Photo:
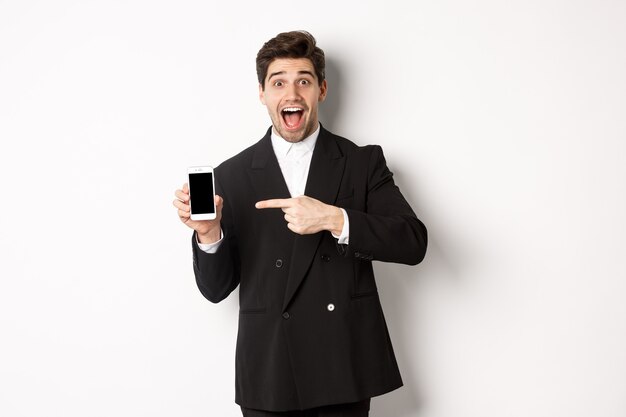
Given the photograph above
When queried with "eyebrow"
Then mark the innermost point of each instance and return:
(283, 72)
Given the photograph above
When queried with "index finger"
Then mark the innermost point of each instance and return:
(182, 195)
(274, 203)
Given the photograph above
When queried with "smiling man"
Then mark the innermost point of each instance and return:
(301, 215)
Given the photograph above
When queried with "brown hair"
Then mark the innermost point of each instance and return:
(297, 44)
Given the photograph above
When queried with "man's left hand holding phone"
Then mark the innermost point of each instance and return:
(198, 206)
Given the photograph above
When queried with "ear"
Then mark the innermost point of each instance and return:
(261, 94)
(323, 91)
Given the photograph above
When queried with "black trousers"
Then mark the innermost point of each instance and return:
(358, 409)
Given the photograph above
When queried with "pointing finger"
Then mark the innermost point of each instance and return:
(275, 203)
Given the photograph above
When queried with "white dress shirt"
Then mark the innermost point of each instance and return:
(294, 160)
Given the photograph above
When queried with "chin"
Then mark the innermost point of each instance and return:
(291, 136)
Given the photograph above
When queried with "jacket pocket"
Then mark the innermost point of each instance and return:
(364, 295)
(258, 310)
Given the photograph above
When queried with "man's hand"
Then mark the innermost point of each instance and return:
(209, 231)
(306, 215)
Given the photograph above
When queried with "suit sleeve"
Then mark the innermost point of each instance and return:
(217, 274)
(388, 230)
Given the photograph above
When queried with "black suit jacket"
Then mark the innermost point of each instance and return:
(311, 327)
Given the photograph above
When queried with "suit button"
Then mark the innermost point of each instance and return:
(325, 258)
(285, 315)
(279, 263)
(330, 307)
(357, 254)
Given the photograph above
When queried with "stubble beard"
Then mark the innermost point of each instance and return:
(292, 137)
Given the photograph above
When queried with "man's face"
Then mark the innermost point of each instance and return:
(292, 93)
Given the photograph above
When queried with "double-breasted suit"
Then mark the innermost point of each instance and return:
(311, 327)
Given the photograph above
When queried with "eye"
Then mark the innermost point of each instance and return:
(278, 84)
(304, 82)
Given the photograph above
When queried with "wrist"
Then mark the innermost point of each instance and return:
(211, 236)
(335, 224)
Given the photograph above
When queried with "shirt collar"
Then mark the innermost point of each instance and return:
(282, 147)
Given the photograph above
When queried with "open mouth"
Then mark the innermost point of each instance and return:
(292, 117)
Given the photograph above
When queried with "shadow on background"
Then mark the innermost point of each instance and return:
(397, 286)
(331, 108)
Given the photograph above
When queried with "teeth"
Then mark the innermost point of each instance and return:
(292, 109)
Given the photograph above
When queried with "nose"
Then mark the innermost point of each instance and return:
(292, 92)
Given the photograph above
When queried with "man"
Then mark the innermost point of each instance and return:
(301, 215)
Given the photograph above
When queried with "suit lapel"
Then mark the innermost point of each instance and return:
(325, 173)
(267, 183)
(264, 172)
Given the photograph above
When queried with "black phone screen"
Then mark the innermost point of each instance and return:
(201, 193)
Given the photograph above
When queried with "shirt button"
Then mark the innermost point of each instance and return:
(279, 263)
(285, 315)
(330, 307)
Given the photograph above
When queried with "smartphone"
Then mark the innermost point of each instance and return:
(201, 193)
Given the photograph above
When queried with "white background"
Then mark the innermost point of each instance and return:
(504, 123)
